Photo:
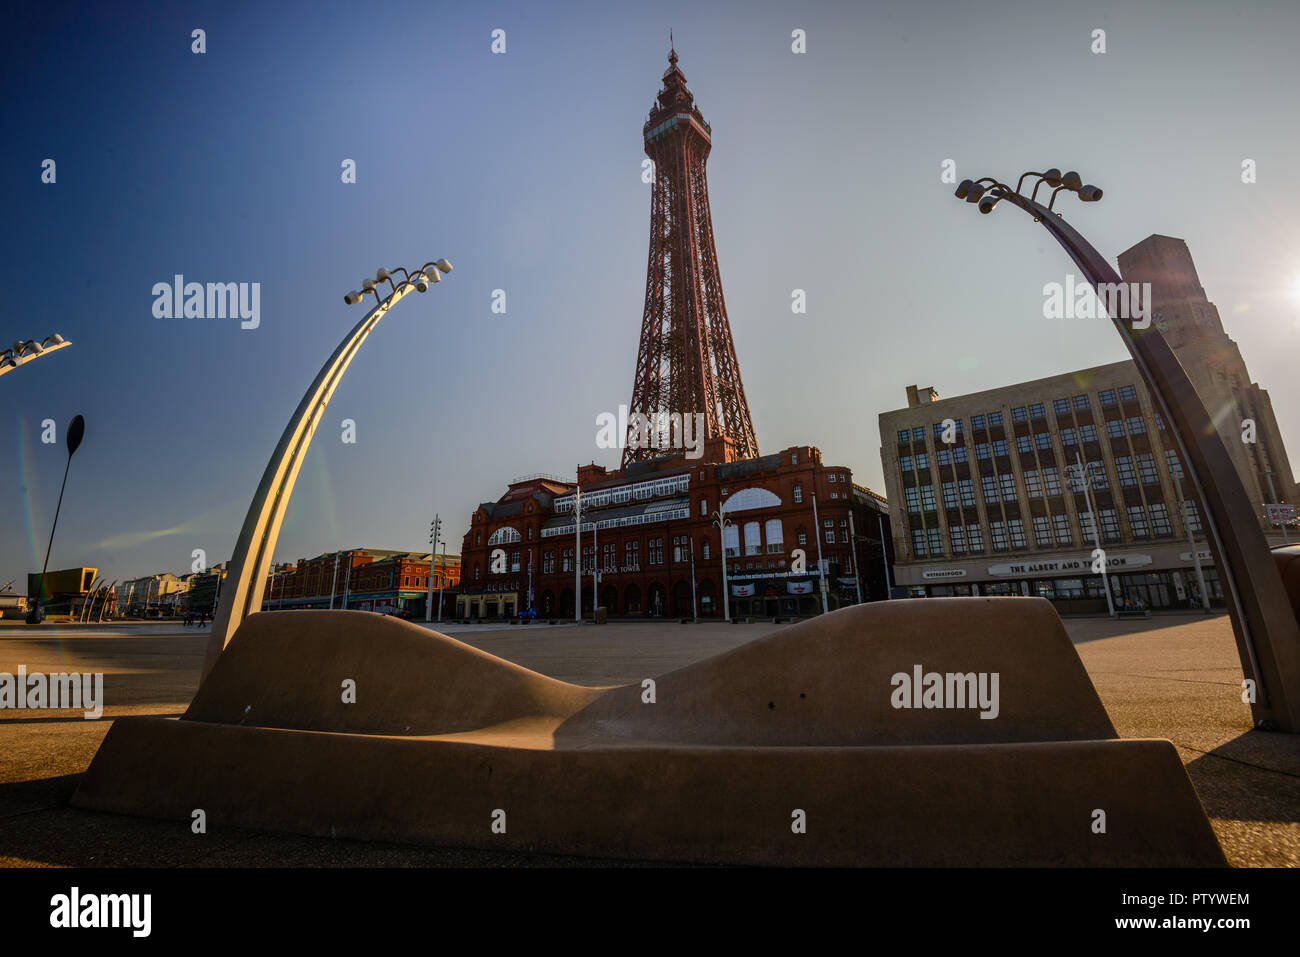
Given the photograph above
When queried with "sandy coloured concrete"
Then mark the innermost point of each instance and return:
(1173, 676)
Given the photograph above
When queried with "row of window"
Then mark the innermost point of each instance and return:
(1145, 522)
(1062, 406)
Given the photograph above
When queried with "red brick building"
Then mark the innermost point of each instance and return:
(369, 579)
(643, 525)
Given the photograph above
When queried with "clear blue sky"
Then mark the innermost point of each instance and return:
(524, 170)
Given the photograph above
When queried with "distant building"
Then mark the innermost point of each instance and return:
(997, 511)
(367, 579)
(64, 590)
(149, 596)
(646, 527)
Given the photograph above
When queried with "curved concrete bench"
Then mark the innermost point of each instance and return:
(874, 735)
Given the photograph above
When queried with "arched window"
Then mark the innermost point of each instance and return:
(750, 498)
(753, 540)
(503, 535)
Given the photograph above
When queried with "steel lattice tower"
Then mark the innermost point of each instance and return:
(686, 362)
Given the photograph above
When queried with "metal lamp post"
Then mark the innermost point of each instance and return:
(76, 432)
(1084, 484)
(261, 529)
(1264, 624)
(722, 523)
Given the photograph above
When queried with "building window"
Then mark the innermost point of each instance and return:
(1097, 472)
(1069, 437)
(918, 434)
(798, 493)
(566, 560)
(1115, 428)
(1081, 402)
(974, 538)
(942, 457)
(922, 462)
(1136, 426)
(1017, 530)
(1088, 433)
(656, 551)
(1109, 525)
(1042, 531)
(1043, 441)
(904, 436)
(731, 541)
(1160, 519)
(1018, 414)
(1128, 392)
(514, 561)
(1061, 406)
(918, 542)
(1191, 516)
(936, 542)
(1127, 475)
(1106, 397)
(632, 551)
(753, 540)
(913, 499)
(990, 487)
(927, 498)
(982, 450)
(1061, 523)
(904, 463)
(775, 536)
(704, 507)
(995, 418)
(1147, 469)
(830, 477)
(967, 489)
(999, 446)
(1024, 444)
(1051, 480)
(830, 529)
(802, 537)
(704, 550)
(998, 535)
(959, 454)
(1175, 466)
(1033, 484)
(977, 421)
(794, 458)
(1008, 482)
(1137, 520)
(548, 563)
(957, 535)
(1036, 411)
(949, 494)
(476, 571)
(1160, 421)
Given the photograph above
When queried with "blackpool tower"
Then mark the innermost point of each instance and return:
(686, 364)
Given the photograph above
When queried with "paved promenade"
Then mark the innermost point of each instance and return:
(1174, 677)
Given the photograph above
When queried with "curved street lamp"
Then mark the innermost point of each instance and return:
(1268, 637)
(29, 349)
(76, 432)
(246, 579)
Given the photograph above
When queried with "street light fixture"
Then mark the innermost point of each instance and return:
(249, 564)
(1263, 620)
(25, 350)
(76, 432)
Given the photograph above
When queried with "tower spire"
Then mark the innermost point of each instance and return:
(686, 364)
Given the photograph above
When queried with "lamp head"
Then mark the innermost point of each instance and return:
(963, 188)
(1071, 180)
(381, 274)
(443, 265)
(352, 298)
(1052, 177)
(367, 285)
(1089, 194)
